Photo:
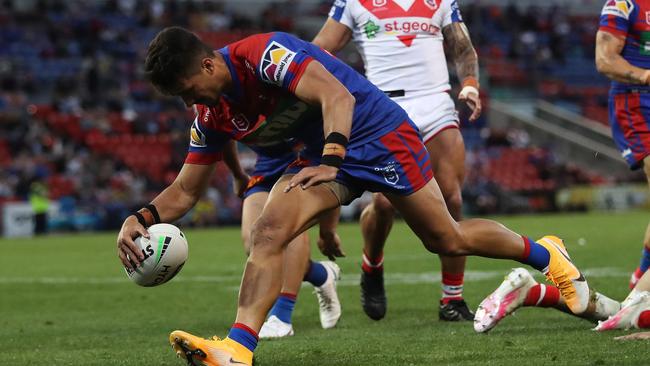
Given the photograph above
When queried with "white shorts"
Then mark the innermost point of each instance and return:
(432, 113)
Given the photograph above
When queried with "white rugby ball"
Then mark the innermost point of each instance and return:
(165, 253)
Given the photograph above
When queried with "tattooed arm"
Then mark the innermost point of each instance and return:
(610, 63)
(458, 45)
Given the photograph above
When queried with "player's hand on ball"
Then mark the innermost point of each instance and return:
(330, 245)
(239, 184)
(473, 101)
(312, 176)
(127, 250)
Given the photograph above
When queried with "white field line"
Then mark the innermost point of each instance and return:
(349, 279)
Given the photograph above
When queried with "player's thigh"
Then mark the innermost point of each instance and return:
(251, 210)
(447, 154)
(288, 214)
(426, 214)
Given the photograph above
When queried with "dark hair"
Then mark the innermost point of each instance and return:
(173, 55)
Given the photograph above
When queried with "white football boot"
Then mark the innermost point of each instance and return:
(628, 316)
(273, 327)
(507, 298)
(328, 299)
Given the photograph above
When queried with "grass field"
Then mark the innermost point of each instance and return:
(64, 300)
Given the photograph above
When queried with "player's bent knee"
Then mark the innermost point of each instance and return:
(382, 205)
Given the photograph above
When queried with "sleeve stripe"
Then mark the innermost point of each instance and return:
(203, 158)
(613, 30)
(298, 71)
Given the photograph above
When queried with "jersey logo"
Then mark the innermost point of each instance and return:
(379, 3)
(370, 29)
(240, 122)
(197, 137)
(389, 173)
(647, 17)
(275, 63)
(619, 8)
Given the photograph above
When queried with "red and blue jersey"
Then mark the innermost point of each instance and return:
(262, 111)
(629, 19)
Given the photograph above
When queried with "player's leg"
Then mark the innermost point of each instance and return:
(447, 154)
(284, 217)
(376, 222)
(519, 289)
(426, 214)
(645, 253)
(635, 309)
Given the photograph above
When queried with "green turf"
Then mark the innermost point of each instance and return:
(64, 300)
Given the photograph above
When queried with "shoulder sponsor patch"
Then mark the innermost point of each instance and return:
(197, 137)
(275, 63)
(619, 8)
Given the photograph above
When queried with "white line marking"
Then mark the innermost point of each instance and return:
(350, 279)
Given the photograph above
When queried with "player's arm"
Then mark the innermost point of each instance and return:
(458, 46)
(171, 204)
(317, 86)
(333, 36)
(610, 63)
(231, 158)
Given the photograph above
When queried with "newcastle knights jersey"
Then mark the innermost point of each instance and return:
(261, 111)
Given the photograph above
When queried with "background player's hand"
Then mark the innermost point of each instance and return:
(127, 251)
(640, 335)
(239, 184)
(312, 176)
(473, 101)
(329, 244)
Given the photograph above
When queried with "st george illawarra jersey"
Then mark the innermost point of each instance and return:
(400, 41)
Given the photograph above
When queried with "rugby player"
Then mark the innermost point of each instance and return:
(623, 55)
(364, 141)
(402, 48)
(269, 166)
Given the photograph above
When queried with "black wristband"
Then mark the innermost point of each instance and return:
(140, 218)
(337, 138)
(331, 160)
(154, 212)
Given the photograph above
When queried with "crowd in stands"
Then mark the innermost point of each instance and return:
(77, 115)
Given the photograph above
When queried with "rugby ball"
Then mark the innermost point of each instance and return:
(165, 253)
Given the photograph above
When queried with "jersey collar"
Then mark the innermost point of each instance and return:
(236, 83)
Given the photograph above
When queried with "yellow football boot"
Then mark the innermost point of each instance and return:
(199, 351)
(565, 275)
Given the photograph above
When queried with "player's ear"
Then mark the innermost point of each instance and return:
(207, 64)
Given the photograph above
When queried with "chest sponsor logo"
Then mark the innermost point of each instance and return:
(197, 137)
(240, 122)
(619, 8)
(390, 174)
(275, 63)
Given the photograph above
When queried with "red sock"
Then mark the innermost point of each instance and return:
(644, 319)
(370, 265)
(452, 287)
(542, 295)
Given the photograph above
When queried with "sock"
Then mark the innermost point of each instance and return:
(452, 287)
(644, 319)
(645, 260)
(283, 307)
(541, 295)
(316, 274)
(535, 255)
(370, 265)
(243, 335)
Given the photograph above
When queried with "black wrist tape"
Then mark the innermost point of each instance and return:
(154, 212)
(140, 218)
(337, 138)
(331, 160)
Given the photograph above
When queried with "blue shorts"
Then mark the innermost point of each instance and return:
(396, 163)
(267, 171)
(629, 118)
